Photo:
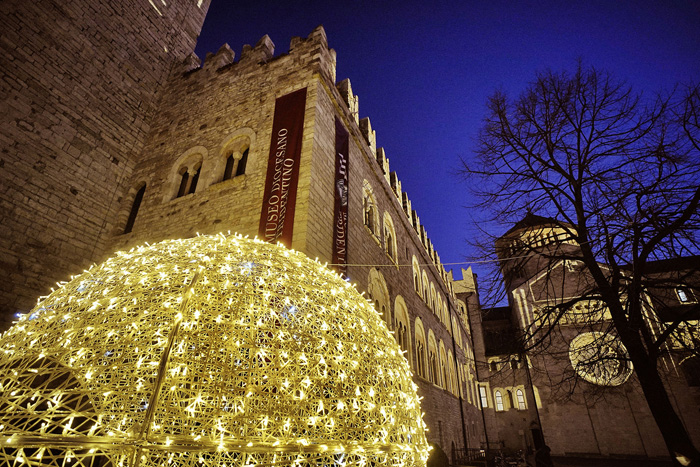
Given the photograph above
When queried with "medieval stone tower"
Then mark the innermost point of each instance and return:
(80, 82)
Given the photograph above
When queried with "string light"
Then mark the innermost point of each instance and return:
(211, 351)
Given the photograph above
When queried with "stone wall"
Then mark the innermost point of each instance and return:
(206, 113)
(78, 84)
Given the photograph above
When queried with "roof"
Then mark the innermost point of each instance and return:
(684, 263)
(532, 220)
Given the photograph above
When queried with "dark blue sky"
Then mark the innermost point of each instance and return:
(423, 70)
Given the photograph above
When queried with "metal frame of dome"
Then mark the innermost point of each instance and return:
(210, 351)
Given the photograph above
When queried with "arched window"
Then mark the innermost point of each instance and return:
(499, 400)
(186, 173)
(401, 335)
(455, 332)
(420, 359)
(420, 348)
(228, 170)
(432, 362)
(184, 180)
(240, 169)
(379, 293)
(452, 383)
(433, 374)
(443, 366)
(195, 179)
(237, 161)
(235, 150)
(403, 329)
(416, 275)
(426, 293)
(135, 205)
(369, 208)
(520, 396)
(389, 237)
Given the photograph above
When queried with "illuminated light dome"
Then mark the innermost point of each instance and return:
(211, 351)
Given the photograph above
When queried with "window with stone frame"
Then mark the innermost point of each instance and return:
(685, 295)
(520, 396)
(235, 151)
(432, 366)
(426, 288)
(390, 237)
(416, 275)
(236, 164)
(189, 177)
(186, 172)
(499, 400)
(369, 208)
(135, 206)
(420, 348)
(420, 359)
(483, 397)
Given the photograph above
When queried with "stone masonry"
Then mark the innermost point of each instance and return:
(207, 113)
(79, 82)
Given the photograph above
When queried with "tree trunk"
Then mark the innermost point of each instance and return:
(674, 433)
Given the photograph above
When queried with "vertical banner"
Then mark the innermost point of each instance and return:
(277, 217)
(340, 216)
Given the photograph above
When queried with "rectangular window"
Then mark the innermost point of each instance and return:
(684, 294)
(484, 398)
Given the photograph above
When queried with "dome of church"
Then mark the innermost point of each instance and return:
(210, 351)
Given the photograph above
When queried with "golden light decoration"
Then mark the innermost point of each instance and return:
(210, 351)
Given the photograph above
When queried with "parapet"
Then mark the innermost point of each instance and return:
(263, 51)
(313, 49)
(224, 56)
(351, 100)
(369, 134)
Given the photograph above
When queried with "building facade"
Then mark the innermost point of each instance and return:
(581, 397)
(147, 145)
(116, 134)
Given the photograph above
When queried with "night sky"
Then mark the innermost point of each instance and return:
(424, 70)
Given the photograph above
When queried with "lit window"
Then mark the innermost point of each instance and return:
(484, 399)
(521, 399)
(499, 401)
(683, 294)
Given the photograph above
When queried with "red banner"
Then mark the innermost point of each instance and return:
(277, 218)
(340, 216)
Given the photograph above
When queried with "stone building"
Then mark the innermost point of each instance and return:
(577, 399)
(114, 135)
(117, 136)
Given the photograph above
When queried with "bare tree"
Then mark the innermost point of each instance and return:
(618, 177)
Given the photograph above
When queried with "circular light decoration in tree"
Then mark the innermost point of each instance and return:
(600, 358)
(211, 351)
